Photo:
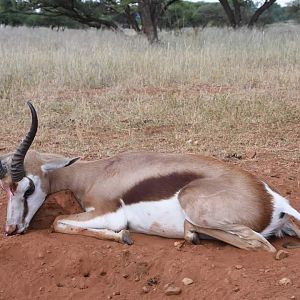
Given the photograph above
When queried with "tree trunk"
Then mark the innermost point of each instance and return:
(259, 11)
(147, 9)
(237, 12)
(131, 19)
(229, 12)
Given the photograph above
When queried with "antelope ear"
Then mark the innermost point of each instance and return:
(57, 164)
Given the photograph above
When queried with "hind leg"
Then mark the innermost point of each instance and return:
(237, 235)
(192, 236)
(226, 211)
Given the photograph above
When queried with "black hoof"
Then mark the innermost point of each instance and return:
(126, 239)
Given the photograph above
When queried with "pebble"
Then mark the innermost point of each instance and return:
(86, 273)
(285, 281)
(125, 275)
(239, 267)
(251, 154)
(172, 290)
(178, 244)
(116, 293)
(281, 254)
(187, 281)
(145, 289)
(59, 284)
(236, 289)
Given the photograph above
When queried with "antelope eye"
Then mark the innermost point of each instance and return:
(30, 189)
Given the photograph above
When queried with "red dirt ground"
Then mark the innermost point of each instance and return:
(44, 265)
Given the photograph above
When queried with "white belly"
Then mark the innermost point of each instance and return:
(163, 218)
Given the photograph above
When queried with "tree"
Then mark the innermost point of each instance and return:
(233, 11)
(293, 10)
(150, 12)
(96, 13)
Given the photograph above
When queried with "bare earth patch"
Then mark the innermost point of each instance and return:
(45, 265)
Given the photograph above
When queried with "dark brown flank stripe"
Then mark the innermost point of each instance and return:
(158, 188)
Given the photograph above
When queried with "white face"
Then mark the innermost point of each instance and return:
(24, 199)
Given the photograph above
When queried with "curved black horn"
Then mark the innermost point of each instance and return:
(17, 162)
(3, 170)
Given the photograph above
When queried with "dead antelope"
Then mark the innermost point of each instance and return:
(170, 195)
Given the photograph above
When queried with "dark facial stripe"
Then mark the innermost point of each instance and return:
(25, 211)
(29, 192)
(157, 188)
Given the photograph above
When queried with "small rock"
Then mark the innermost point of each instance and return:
(285, 281)
(102, 273)
(109, 297)
(167, 285)
(236, 289)
(86, 273)
(145, 289)
(293, 297)
(172, 290)
(251, 154)
(116, 293)
(238, 267)
(125, 275)
(187, 281)
(40, 255)
(281, 254)
(136, 278)
(178, 244)
(59, 284)
(41, 289)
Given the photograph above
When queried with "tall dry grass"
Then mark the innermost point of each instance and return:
(100, 92)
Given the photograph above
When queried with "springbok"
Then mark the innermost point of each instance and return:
(170, 195)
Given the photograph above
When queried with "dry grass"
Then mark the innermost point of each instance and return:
(98, 93)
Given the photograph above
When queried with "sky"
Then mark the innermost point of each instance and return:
(280, 2)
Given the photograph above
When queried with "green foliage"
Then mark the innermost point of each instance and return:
(275, 13)
(81, 14)
(190, 14)
(194, 14)
(293, 10)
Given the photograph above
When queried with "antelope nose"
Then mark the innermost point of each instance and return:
(10, 229)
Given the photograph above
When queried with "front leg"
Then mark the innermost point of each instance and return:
(111, 226)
